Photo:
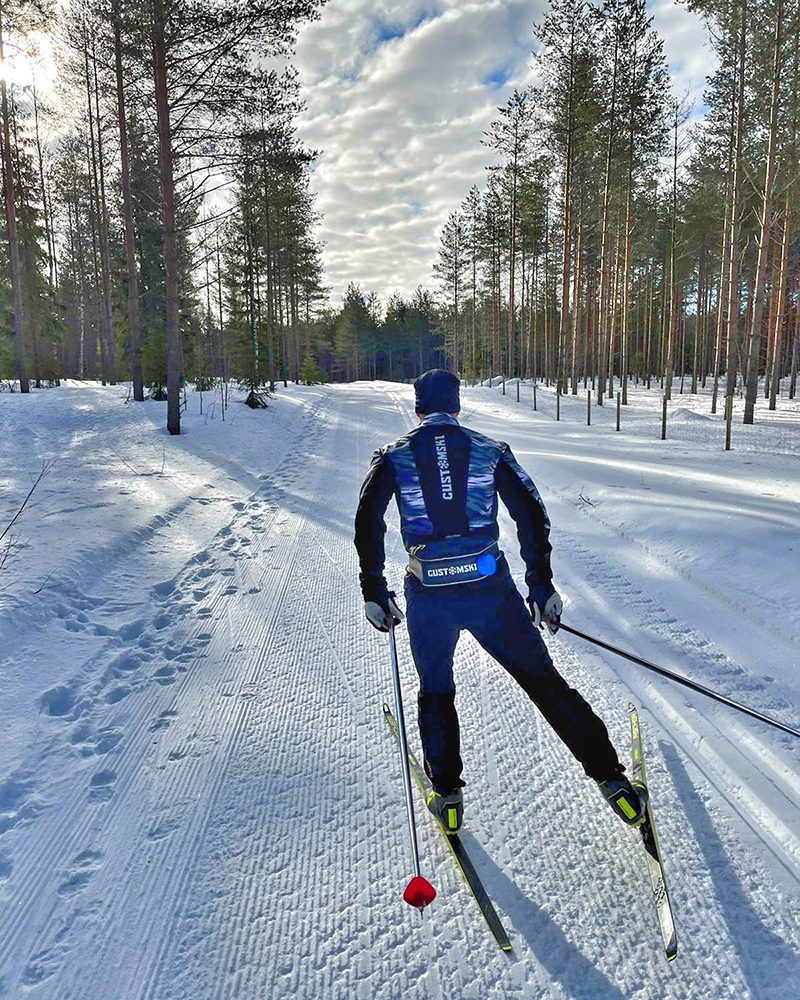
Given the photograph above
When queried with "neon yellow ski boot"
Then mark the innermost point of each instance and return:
(628, 801)
(448, 808)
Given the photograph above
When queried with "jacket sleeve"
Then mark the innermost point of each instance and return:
(517, 491)
(376, 492)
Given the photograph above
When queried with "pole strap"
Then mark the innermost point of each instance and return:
(700, 688)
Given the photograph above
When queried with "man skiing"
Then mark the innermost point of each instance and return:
(446, 480)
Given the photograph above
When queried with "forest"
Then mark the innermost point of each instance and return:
(623, 235)
(160, 224)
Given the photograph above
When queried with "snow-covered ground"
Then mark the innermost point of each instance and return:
(198, 795)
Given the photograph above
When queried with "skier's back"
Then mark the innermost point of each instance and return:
(447, 479)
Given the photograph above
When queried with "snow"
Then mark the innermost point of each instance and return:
(198, 794)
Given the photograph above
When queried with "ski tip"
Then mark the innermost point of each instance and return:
(506, 948)
(631, 707)
(386, 709)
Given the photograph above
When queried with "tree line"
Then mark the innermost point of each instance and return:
(159, 224)
(618, 237)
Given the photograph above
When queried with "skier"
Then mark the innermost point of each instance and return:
(446, 480)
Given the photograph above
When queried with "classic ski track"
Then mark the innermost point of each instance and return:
(719, 770)
(240, 909)
(43, 860)
(252, 637)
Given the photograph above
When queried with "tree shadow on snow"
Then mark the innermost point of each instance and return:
(770, 965)
(556, 953)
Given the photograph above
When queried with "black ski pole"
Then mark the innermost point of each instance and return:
(682, 680)
(419, 892)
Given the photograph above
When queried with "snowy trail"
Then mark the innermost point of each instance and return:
(213, 808)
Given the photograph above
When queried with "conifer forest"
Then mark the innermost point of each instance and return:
(160, 223)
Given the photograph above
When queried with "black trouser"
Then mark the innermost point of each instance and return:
(495, 613)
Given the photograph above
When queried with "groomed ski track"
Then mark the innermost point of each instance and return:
(213, 808)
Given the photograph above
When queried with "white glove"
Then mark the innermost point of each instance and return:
(381, 618)
(550, 614)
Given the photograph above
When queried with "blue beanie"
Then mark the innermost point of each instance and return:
(437, 391)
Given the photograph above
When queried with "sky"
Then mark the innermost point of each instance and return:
(398, 95)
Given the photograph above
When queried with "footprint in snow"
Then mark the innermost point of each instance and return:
(123, 665)
(100, 786)
(42, 965)
(164, 720)
(117, 694)
(162, 830)
(132, 630)
(164, 676)
(80, 872)
(58, 701)
(90, 744)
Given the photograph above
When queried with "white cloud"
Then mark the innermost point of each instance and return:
(398, 95)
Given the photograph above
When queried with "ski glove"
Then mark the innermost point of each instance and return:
(383, 613)
(546, 606)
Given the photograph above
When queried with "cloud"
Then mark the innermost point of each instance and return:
(398, 96)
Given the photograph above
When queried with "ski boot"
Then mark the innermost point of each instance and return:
(628, 801)
(447, 807)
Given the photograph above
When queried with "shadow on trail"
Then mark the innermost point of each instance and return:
(769, 965)
(557, 955)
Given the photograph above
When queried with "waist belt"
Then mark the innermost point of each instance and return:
(455, 569)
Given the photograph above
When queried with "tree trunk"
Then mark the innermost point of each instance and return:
(563, 330)
(626, 268)
(736, 184)
(602, 312)
(105, 251)
(101, 276)
(169, 240)
(724, 271)
(46, 217)
(780, 306)
(132, 274)
(576, 286)
(512, 362)
(766, 226)
(9, 198)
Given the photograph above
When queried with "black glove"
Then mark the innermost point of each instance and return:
(380, 607)
(546, 606)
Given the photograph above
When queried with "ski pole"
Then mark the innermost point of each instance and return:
(419, 892)
(682, 680)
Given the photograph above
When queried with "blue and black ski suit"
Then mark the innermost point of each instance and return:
(446, 480)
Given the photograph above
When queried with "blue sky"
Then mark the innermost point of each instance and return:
(398, 95)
